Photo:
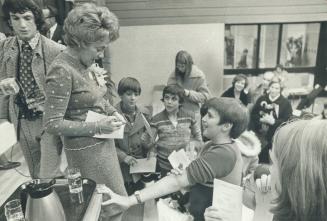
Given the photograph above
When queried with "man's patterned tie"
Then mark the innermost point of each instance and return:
(26, 77)
(30, 91)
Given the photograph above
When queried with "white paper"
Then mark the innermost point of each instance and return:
(179, 159)
(247, 214)
(227, 198)
(144, 166)
(94, 117)
(7, 136)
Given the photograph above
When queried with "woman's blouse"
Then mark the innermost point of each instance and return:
(71, 92)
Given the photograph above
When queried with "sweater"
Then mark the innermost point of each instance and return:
(196, 83)
(244, 98)
(280, 108)
(173, 138)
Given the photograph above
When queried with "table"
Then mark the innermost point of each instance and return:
(89, 210)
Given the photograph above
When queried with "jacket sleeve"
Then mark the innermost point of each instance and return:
(4, 99)
(58, 92)
(201, 94)
(285, 113)
(4, 107)
(196, 130)
(255, 116)
(120, 153)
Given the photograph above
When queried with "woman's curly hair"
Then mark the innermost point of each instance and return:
(88, 23)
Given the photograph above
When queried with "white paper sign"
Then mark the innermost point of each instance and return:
(7, 136)
(179, 159)
(227, 198)
(144, 166)
(94, 117)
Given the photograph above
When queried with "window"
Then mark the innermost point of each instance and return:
(260, 47)
(268, 46)
(240, 46)
(299, 45)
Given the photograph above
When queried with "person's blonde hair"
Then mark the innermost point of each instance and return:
(300, 149)
(88, 23)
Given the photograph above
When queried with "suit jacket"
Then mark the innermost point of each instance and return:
(9, 52)
(58, 34)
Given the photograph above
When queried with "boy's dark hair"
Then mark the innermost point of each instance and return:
(127, 84)
(174, 89)
(232, 111)
(22, 6)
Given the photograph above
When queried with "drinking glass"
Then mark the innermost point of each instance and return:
(13, 211)
(75, 183)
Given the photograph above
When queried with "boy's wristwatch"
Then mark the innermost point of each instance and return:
(137, 196)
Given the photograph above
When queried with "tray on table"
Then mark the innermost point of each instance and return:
(73, 210)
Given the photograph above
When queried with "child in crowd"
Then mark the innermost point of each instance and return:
(219, 158)
(173, 126)
(130, 147)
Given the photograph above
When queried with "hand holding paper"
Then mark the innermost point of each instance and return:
(110, 126)
(144, 166)
(179, 159)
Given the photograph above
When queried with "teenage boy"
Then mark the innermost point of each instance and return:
(220, 158)
(27, 57)
(174, 127)
(130, 147)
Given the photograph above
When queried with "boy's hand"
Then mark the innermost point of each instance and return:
(176, 171)
(212, 214)
(131, 161)
(151, 154)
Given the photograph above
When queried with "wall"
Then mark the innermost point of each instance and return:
(148, 53)
(149, 12)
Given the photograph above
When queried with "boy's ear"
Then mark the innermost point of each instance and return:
(227, 126)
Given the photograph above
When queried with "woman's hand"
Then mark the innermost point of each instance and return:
(129, 160)
(264, 183)
(120, 117)
(212, 214)
(109, 125)
(122, 202)
(268, 119)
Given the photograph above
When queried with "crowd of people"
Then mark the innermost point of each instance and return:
(61, 82)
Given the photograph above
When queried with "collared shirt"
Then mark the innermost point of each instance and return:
(32, 42)
(52, 30)
(273, 99)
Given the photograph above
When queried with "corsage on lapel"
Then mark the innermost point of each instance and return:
(98, 74)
